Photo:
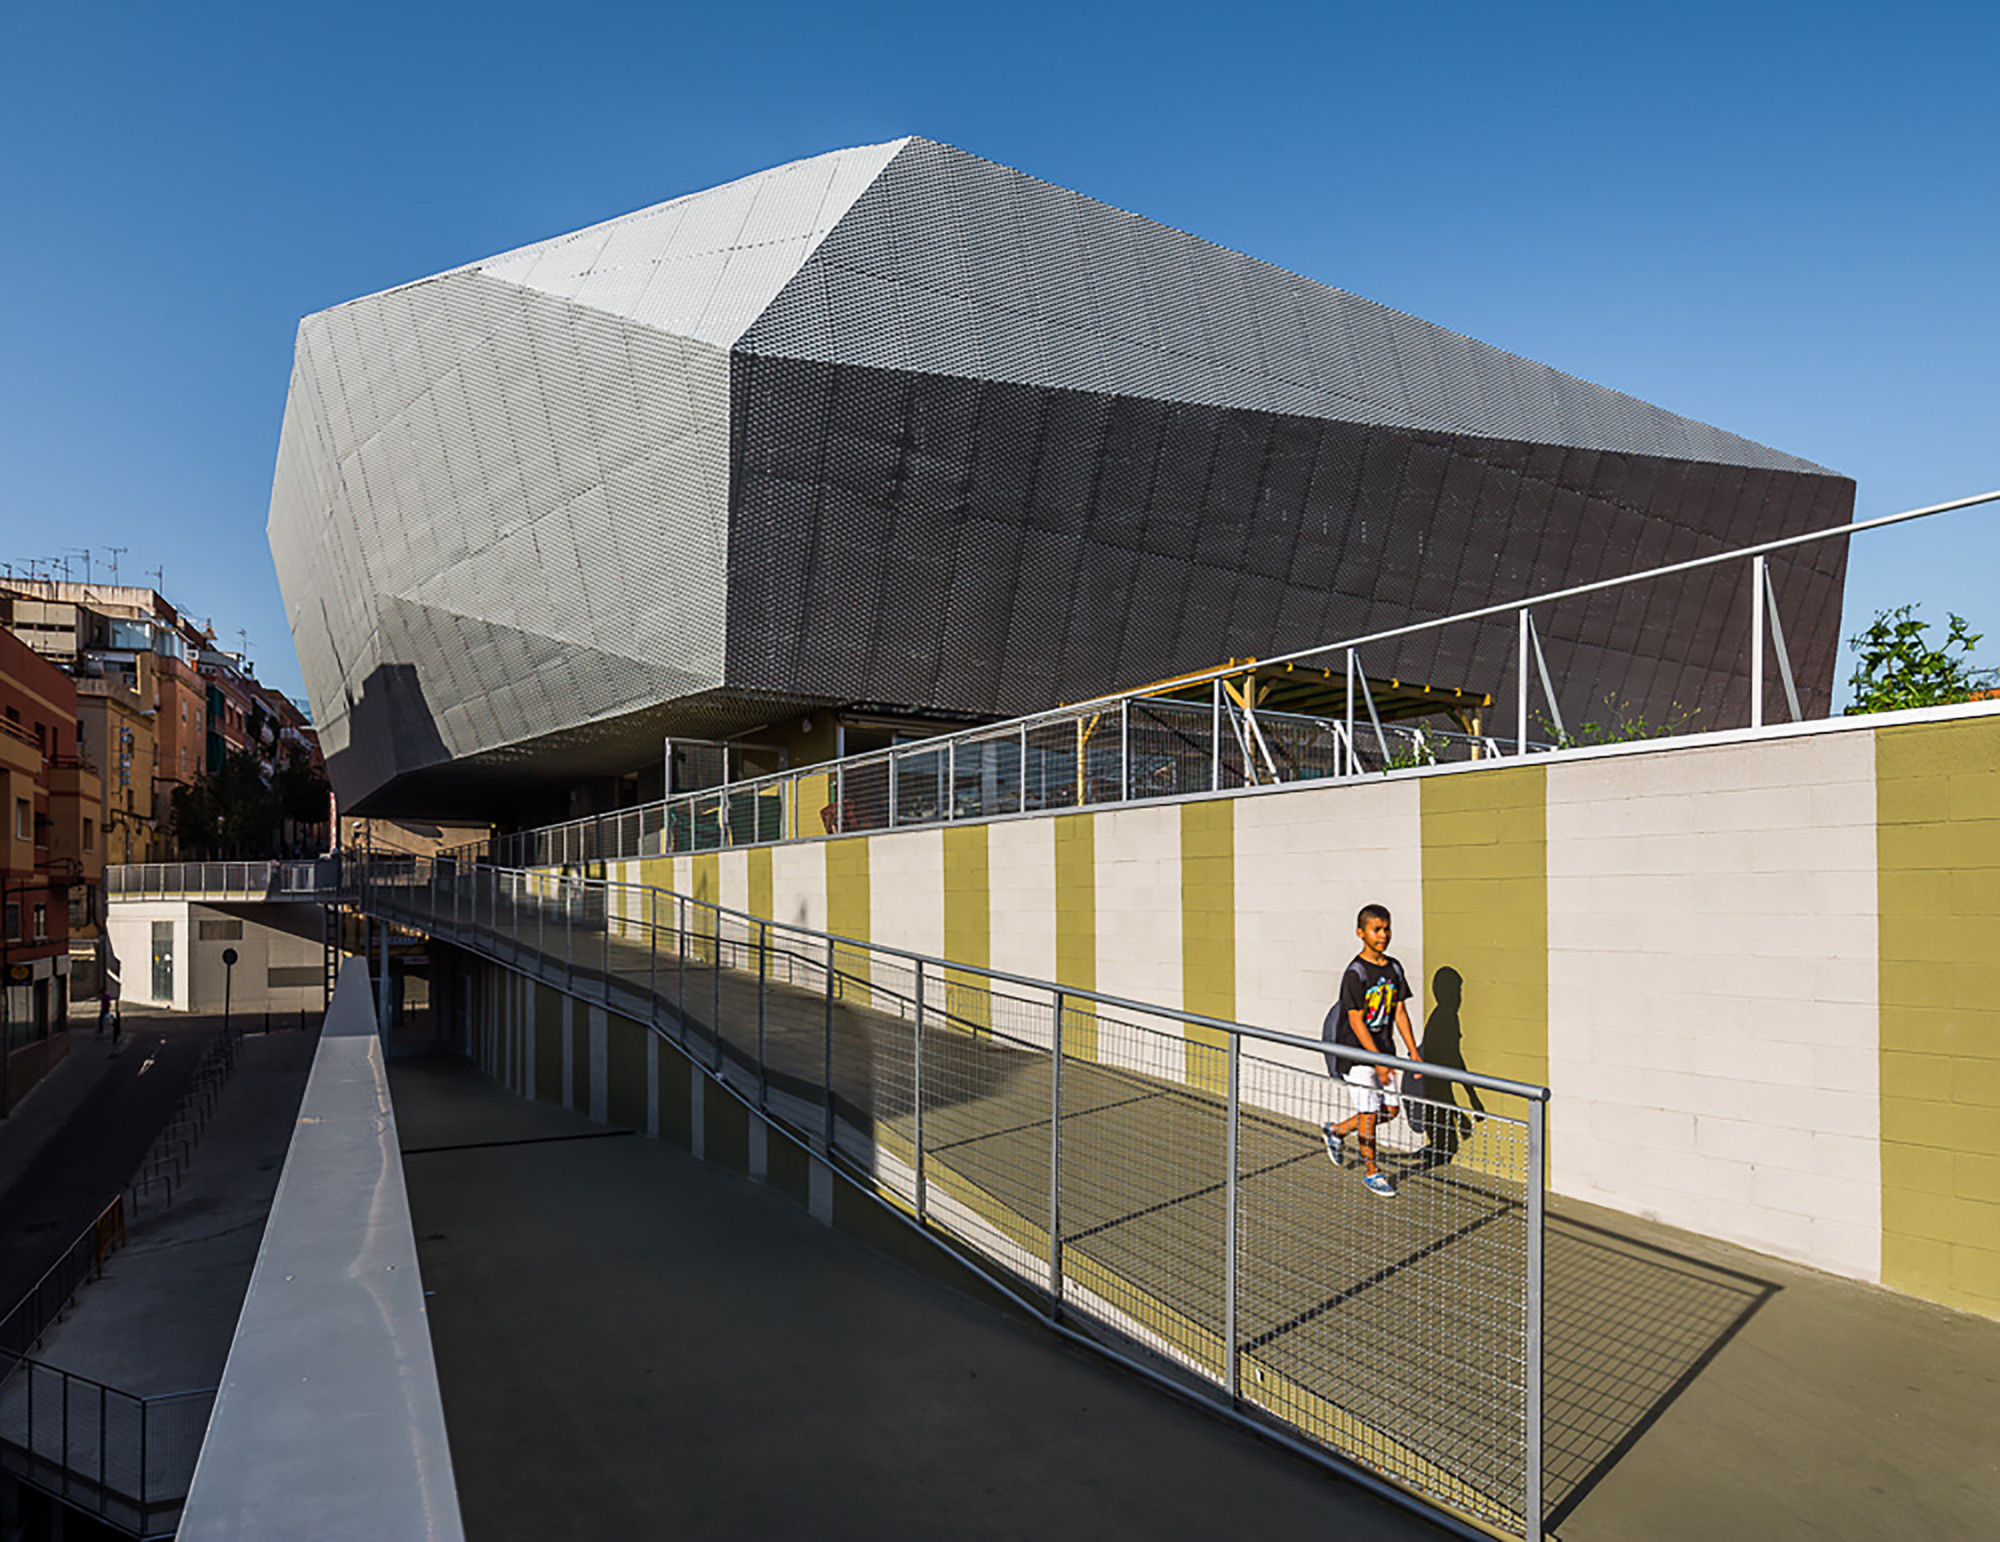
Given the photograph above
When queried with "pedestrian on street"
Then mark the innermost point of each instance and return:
(103, 1010)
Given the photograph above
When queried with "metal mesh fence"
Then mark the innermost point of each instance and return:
(1163, 1184)
(126, 1459)
(1135, 748)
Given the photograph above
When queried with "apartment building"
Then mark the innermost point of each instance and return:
(51, 865)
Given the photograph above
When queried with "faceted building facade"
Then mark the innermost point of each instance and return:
(901, 427)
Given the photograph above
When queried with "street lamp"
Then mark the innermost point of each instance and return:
(228, 978)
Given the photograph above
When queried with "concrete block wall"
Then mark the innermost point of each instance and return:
(1749, 966)
(1712, 994)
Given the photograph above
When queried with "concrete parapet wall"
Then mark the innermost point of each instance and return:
(1748, 965)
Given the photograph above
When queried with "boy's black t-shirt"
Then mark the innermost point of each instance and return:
(1375, 991)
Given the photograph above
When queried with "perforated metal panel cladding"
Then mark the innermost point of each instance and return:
(898, 425)
(954, 265)
(973, 546)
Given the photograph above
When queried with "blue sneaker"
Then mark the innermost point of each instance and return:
(1336, 1145)
(1378, 1183)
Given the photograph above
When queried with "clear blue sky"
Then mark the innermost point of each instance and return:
(1780, 219)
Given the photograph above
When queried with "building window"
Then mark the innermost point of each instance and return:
(13, 920)
(24, 819)
(41, 923)
(89, 835)
(219, 931)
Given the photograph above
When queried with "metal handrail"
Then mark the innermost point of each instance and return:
(1531, 665)
(1071, 993)
(678, 949)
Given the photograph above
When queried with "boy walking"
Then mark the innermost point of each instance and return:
(1371, 1004)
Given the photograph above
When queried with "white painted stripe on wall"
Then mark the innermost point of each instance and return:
(1713, 1018)
(798, 885)
(1304, 865)
(1021, 885)
(1138, 866)
(906, 890)
(732, 881)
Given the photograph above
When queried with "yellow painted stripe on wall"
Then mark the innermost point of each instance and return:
(760, 881)
(1486, 920)
(968, 923)
(1208, 933)
(547, 1086)
(1076, 924)
(705, 883)
(847, 899)
(1937, 850)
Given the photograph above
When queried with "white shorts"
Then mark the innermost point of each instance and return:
(1370, 1096)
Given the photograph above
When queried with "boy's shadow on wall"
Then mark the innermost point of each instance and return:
(1629, 1325)
(1444, 1045)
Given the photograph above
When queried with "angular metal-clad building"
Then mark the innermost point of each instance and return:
(899, 426)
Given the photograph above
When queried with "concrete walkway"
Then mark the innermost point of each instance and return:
(632, 1344)
(161, 1318)
(1690, 1386)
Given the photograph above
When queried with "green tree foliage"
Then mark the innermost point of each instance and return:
(1896, 666)
(233, 814)
(1620, 723)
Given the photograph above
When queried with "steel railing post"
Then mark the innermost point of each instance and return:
(951, 779)
(1055, 1159)
(1215, 736)
(830, 963)
(763, 982)
(1231, 1136)
(1521, 690)
(1532, 1491)
(1353, 765)
(892, 789)
(653, 954)
(1125, 749)
(917, 1090)
(715, 1024)
(1024, 769)
(1756, 642)
(569, 933)
(681, 968)
(606, 922)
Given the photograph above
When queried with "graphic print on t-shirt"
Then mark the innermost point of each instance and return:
(1378, 1006)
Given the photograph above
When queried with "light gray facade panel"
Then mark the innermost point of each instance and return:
(465, 506)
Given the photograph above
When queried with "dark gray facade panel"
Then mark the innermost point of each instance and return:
(973, 546)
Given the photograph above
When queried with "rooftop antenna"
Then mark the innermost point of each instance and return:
(83, 552)
(159, 578)
(243, 636)
(114, 553)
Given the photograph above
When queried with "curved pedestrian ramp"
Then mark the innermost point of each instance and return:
(1150, 1179)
